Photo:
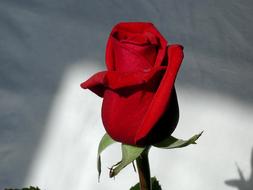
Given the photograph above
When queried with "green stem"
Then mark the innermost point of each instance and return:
(144, 171)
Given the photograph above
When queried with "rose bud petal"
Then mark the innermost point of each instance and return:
(139, 98)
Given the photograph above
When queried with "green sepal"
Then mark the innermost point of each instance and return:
(129, 154)
(104, 143)
(172, 142)
(154, 182)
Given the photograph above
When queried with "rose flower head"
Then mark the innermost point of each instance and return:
(140, 104)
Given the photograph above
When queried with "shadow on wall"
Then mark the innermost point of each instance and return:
(242, 183)
(39, 39)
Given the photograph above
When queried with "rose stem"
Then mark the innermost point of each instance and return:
(144, 171)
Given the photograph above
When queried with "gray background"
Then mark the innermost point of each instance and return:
(50, 128)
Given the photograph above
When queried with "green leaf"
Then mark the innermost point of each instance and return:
(154, 182)
(104, 143)
(173, 142)
(129, 154)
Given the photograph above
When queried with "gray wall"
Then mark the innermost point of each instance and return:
(48, 47)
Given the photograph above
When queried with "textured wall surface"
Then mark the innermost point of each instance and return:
(50, 128)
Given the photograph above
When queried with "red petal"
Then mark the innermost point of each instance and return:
(162, 96)
(96, 83)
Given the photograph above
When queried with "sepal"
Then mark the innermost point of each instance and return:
(172, 142)
(104, 143)
(129, 154)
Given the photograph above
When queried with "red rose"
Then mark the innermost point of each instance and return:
(140, 104)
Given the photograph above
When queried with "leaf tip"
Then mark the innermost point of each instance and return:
(111, 173)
